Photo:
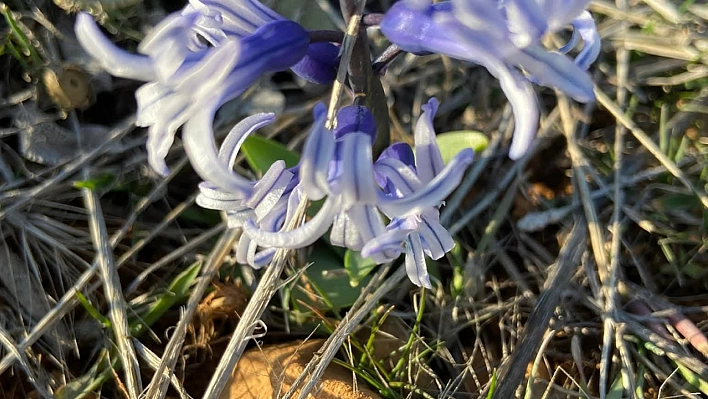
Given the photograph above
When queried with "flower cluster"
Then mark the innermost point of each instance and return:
(212, 50)
(358, 195)
(503, 35)
(203, 56)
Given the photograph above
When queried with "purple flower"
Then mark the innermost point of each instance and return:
(200, 58)
(419, 233)
(503, 36)
(336, 167)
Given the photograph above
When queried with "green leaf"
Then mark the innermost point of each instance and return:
(325, 285)
(357, 267)
(451, 143)
(262, 152)
(492, 384)
(99, 182)
(92, 310)
(617, 389)
(177, 291)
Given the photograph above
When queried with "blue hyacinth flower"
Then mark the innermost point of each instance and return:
(359, 196)
(503, 36)
(203, 56)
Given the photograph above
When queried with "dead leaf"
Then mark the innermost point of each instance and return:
(269, 371)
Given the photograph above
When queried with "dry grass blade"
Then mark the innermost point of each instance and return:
(20, 198)
(114, 294)
(647, 142)
(153, 361)
(38, 384)
(513, 369)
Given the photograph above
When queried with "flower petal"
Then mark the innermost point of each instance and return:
(262, 258)
(389, 243)
(319, 65)
(301, 236)
(115, 60)
(239, 133)
(357, 179)
(267, 191)
(198, 139)
(436, 240)
(585, 26)
(316, 156)
(526, 21)
(345, 232)
(211, 197)
(368, 221)
(240, 17)
(207, 75)
(560, 13)
(555, 70)
(236, 218)
(355, 118)
(415, 262)
(523, 102)
(428, 160)
(395, 177)
(431, 194)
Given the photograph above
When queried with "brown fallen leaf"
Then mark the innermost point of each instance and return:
(268, 372)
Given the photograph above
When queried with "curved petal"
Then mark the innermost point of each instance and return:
(560, 13)
(172, 26)
(396, 178)
(526, 22)
(198, 139)
(436, 240)
(239, 133)
(212, 198)
(236, 218)
(400, 151)
(415, 262)
(262, 258)
(300, 237)
(267, 191)
(345, 232)
(368, 221)
(523, 102)
(239, 17)
(555, 70)
(432, 194)
(242, 248)
(357, 184)
(316, 156)
(209, 72)
(389, 243)
(149, 97)
(115, 60)
(428, 160)
(585, 26)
